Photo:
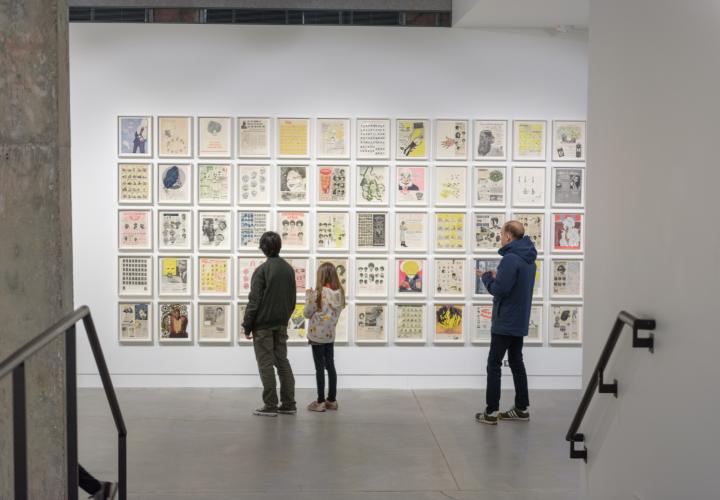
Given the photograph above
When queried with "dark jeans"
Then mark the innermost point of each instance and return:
(324, 357)
(271, 352)
(499, 344)
(89, 484)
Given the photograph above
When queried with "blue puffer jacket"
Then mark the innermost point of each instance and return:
(512, 288)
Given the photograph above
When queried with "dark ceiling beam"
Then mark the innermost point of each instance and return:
(376, 5)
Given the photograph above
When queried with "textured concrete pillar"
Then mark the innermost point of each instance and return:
(35, 228)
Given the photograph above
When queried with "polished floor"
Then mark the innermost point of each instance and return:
(204, 444)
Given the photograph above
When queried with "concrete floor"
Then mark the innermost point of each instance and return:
(204, 444)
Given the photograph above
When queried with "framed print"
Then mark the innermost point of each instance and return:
(214, 322)
(214, 137)
(372, 231)
(245, 268)
(293, 185)
(535, 326)
(174, 183)
(215, 231)
(301, 266)
(294, 229)
(135, 276)
(450, 231)
(135, 322)
(332, 231)
(214, 276)
(450, 186)
(333, 185)
(253, 137)
(482, 266)
(297, 326)
(490, 186)
(135, 229)
(569, 141)
(134, 183)
(480, 331)
(566, 278)
(449, 276)
(568, 188)
(342, 266)
(251, 226)
(490, 142)
(411, 185)
(449, 324)
(410, 277)
(175, 276)
(534, 224)
(372, 185)
(135, 136)
(538, 285)
(487, 228)
(241, 340)
(293, 137)
(529, 139)
(568, 232)
(411, 138)
(342, 328)
(214, 184)
(528, 187)
(371, 277)
(411, 231)
(332, 139)
(175, 323)
(566, 324)
(451, 139)
(253, 185)
(370, 323)
(174, 230)
(373, 139)
(410, 324)
(175, 137)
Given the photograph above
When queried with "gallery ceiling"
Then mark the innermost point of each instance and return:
(563, 14)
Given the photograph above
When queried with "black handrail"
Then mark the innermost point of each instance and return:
(15, 364)
(596, 379)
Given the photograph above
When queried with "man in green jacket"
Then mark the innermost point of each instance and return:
(270, 305)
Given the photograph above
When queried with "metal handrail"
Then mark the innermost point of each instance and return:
(15, 364)
(596, 379)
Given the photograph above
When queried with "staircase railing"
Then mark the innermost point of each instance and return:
(15, 365)
(597, 380)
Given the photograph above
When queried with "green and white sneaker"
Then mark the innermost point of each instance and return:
(515, 414)
(487, 418)
(266, 412)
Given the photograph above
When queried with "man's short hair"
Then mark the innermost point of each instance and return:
(270, 244)
(514, 228)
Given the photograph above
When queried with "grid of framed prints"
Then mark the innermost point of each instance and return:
(410, 210)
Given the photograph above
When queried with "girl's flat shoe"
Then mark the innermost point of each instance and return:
(315, 406)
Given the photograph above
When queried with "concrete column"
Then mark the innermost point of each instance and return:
(35, 228)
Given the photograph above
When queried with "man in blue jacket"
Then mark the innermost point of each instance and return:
(512, 289)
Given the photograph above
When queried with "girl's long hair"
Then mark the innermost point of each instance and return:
(327, 275)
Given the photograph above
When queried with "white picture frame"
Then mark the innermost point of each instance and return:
(303, 273)
(175, 230)
(254, 185)
(214, 184)
(293, 138)
(411, 278)
(481, 324)
(175, 276)
(528, 188)
(253, 137)
(373, 139)
(568, 187)
(487, 231)
(536, 326)
(135, 183)
(371, 323)
(566, 324)
(214, 322)
(410, 321)
(411, 230)
(490, 140)
(175, 184)
(333, 138)
(489, 186)
(568, 232)
(135, 322)
(293, 185)
(214, 276)
(175, 136)
(297, 326)
(566, 278)
(372, 276)
(372, 185)
(295, 228)
(451, 185)
(343, 268)
(332, 231)
(412, 139)
(135, 230)
(333, 185)
(251, 225)
(214, 230)
(529, 140)
(411, 185)
(371, 231)
(214, 137)
(135, 275)
(446, 329)
(240, 308)
(534, 225)
(135, 136)
(569, 140)
(168, 333)
(482, 264)
(246, 265)
(448, 277)
(539, 284)
(342, 328)
(452, 138)
(450, 232)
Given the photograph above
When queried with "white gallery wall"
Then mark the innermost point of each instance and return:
(653, 247)
(201, 70)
